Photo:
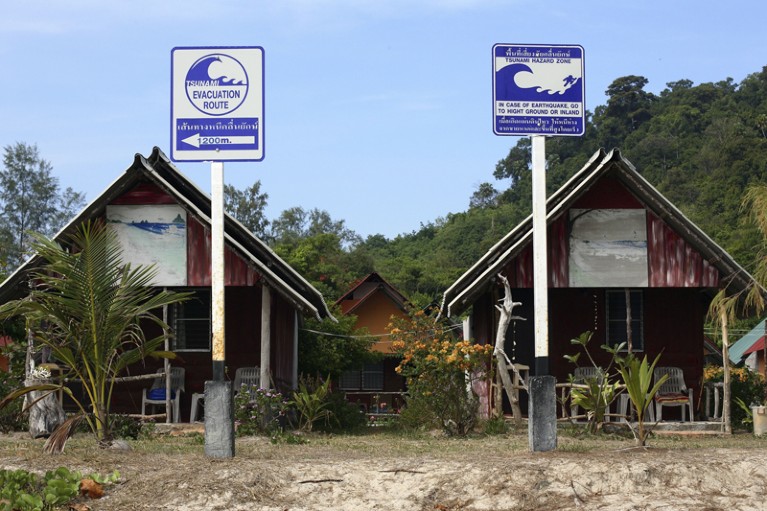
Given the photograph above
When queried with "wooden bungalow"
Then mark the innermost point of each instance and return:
(612, 239)
(374, 301)
(258, 283)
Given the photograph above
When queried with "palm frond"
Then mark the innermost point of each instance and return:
(58, 439)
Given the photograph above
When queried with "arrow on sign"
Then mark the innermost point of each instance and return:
(197, 140)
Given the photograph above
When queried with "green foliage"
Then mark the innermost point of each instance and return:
(311, 403)
(24, 491)
(594, 393)
(748, 413)
(495, 426)
(247, 206)
(127, 427)
(87, 307)
(339, 347)
(347, 417)
(438, 368)
(638, 378)
(30, 200)
(745, 385)
(11, 416)
(259, 411)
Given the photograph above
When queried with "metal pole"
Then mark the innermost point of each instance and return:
(540, 264)
(219, 404)
(217, 267)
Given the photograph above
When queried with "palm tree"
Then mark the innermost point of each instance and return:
(87, 306)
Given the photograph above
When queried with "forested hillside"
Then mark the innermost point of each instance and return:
(700, 145)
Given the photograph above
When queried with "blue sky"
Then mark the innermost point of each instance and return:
(379, 112)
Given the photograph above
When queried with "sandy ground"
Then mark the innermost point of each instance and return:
(474, 476)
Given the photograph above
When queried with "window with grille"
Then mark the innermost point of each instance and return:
(369, 378)
(191, 324)
(617, 312)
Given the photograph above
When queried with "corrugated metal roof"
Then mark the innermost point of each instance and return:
(740, 348)
(159, 170)
(461, 294)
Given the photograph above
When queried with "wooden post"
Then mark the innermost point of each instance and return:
(726, 412)
(266, 330)
(166, 367)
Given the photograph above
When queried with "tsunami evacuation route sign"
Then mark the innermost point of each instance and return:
(538, 90)
(217, 104)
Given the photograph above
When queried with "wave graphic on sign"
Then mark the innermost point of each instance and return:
(226, 71)
(519, 82)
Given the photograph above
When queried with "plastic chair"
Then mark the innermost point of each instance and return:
(673, 392)
(156, 394)
(250, 376)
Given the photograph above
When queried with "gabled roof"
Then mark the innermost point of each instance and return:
(159, 170)
(351, 300)
(461, 294)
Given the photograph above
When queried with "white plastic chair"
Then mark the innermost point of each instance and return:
(177, 377)
(250, 376)
(673, 392)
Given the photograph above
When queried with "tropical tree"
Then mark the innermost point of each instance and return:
(87, 306)
(328, 348)
(30, 201)
(248, 206)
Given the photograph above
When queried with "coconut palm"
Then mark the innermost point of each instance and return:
(87, 306)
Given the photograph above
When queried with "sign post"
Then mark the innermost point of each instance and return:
(217, 112)
(538, 91)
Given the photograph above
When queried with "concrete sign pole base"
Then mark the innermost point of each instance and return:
(542, 412)
(219, 419)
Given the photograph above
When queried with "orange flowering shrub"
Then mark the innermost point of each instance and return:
(438, 367)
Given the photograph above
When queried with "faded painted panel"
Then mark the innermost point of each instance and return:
(152, 235)
(608, 247)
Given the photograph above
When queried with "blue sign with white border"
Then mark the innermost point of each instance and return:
(217, 104)
(538, 90)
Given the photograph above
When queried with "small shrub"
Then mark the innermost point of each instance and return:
(23, 491)
(124, 426)
(438, 368)
(348, 416)
(11, 416)
(259, 411)
(417, 415)
(495, 426)
(311, 402)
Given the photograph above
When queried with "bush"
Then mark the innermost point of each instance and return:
(435, 365)
(11, 416)
(746, 385)
(348, 416)
(124, 426)
(259, 411)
